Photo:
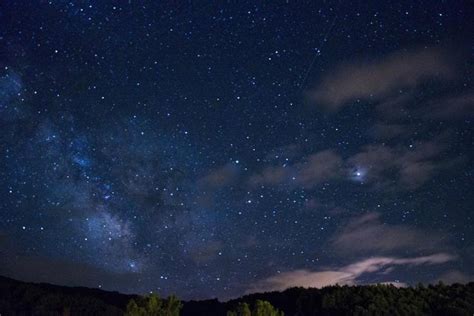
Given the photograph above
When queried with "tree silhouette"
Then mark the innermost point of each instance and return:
(21, 298)
(261, 308)
(242, 309)
(172, 306)
(264, 308)
(152, 305)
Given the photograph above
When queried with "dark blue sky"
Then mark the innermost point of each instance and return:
(211, 150)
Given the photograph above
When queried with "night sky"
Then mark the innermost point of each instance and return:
(212, 150)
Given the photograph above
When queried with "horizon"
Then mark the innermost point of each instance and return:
(213, 150)
(226, 300)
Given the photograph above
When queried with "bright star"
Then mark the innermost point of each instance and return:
(358, 174)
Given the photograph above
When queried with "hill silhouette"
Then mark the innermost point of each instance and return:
(22, 298)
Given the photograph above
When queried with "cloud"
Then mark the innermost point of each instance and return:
(318, 168)
(348, 274)
(389, 131)
(310, 171)
(450, 108)
(215, 180)
(303, 278)
(454, 276)
(445, 108)
(367, 233)
(221, 176)
(378, 79)
(395, 108)
(406, 167)
(386, 167)
(273, 175)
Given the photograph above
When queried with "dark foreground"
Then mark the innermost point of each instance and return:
(20, 298)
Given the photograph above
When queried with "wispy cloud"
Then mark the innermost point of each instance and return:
(381, 78)
(404, 167)
(312, 170)
(388, 167)
(220, 176)
(450, 108)
(348, 274)
(368, 234)
(387, 131)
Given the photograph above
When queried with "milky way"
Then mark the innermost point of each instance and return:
(215, 150)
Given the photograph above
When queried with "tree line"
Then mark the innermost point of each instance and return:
(20, 298)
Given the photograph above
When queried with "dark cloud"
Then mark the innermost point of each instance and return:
(458, 107)
(221, 176)
(367, 234)
(312, 170)
(381, 78)
(386, 131)
(401, 110)
(403, 167)
(214, 181)
(395, 108)
(273, 175)
(319, 167)
(390, 167)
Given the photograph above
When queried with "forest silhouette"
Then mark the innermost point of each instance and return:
(21, 298)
